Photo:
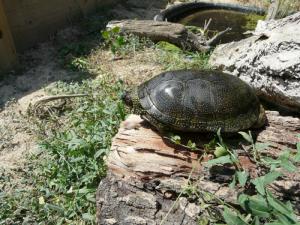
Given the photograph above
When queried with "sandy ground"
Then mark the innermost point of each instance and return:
(16, 93)
(41, 67)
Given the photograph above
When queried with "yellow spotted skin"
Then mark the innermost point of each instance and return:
(198, 101)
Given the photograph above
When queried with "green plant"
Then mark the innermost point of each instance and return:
(73, 56)
(263, 207)
(114, 39)
(78, 64)
(123, 44)
(251, 21)
(70, 165)
(259, 208)
(172, 58)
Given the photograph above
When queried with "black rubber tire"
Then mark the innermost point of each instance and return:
(174, 13)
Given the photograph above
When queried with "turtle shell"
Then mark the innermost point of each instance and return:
(200, 101)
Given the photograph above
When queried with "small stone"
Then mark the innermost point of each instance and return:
(135, 220)
(192, 210)
(183, 203)
(168, 194)
(110, 221)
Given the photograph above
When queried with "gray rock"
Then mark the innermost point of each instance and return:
(269, 60)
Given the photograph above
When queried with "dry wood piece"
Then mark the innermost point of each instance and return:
(273, 9)
(147, 174)
(174, 33)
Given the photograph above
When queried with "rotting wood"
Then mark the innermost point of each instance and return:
(146, 175)
(174, 33)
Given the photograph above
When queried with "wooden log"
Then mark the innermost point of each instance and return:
(174, 33)
(146, 175)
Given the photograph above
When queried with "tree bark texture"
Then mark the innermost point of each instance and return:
(146, 174)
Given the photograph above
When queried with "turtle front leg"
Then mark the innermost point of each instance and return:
(161, 128)
(164, 132)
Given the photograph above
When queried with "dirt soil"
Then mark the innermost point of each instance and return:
(40, 67)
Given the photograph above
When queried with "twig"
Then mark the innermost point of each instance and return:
(216, 38)
(46, 99)
(206, 25)
(273, 9)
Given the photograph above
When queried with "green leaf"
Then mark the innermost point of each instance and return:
(255, 205)
(271, 161)
(288, 165)
(275, 223)
(261, 182)
(88, 217)
(232, 218)
(99, 153)
(176, 139)
(280, 207)
(256, 221)
(261, 146)
(168, 46)
(203, 220)
(247, 137)
(233, 182)
(56, 208)
(105, 34)
(297, 156)
(191, 145)
(120, 41)
(285, 155)
(121, 110)
(116, 30)
(221, 160)
(220, 151)
(220, 137)
(284, 219)
(270, 177)
(242, 177)
(259, 185)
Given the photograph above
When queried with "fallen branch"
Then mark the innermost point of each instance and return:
(174, 33)
(215, 39)
(42, 101)
(206, 25)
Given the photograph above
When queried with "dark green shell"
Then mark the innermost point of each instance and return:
(200, 101)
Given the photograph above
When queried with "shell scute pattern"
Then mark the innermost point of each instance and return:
(190, 100)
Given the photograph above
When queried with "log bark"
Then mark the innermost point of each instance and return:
(146, 174)
(174, 33)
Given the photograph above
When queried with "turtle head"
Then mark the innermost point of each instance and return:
(127, 99)
(131, 99)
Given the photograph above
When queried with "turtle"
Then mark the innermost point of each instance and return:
(197, 101)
